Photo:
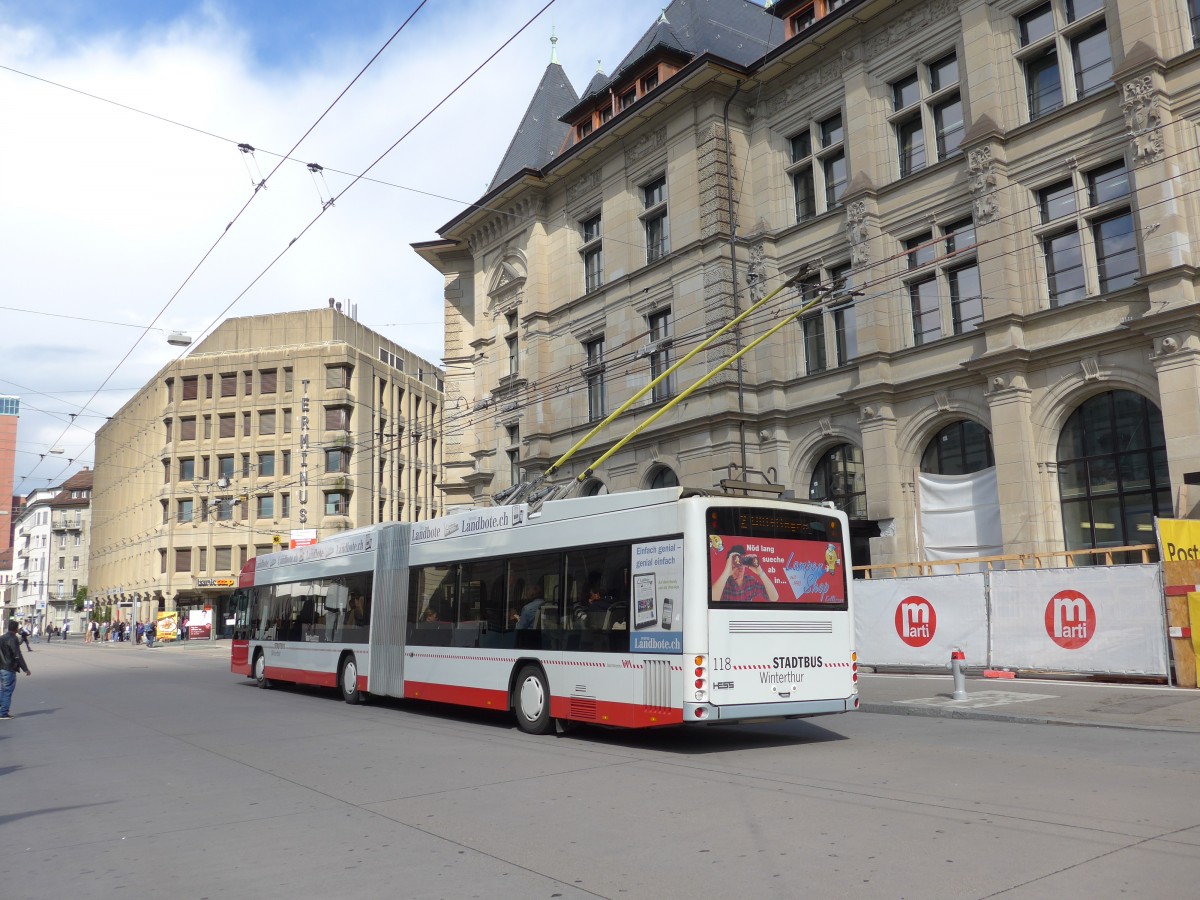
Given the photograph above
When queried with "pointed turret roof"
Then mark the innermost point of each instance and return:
(598, 83)
(540, 134)
(737, 30)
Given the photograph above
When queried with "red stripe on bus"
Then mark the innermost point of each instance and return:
(305, 676)
(609, 712)
(239, 663)
(621, 715)
(461, 696)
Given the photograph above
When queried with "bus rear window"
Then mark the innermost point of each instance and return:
(793, 557)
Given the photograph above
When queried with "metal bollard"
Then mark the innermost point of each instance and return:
(958, 665)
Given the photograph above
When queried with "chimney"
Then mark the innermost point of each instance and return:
(331, 302)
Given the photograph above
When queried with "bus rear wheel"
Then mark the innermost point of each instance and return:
(260, 670)
(348, 680)
(531, 701)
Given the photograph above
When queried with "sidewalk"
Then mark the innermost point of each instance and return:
(1030, 701)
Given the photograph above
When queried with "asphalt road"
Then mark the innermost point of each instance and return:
(138, 773)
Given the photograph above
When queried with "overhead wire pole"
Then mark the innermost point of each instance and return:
(712, 373)
(707, 342)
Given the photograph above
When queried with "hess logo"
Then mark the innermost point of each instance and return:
(1070, 619)
(916, 621)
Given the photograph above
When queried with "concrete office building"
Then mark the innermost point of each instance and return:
(277, 427)
(1002, 195)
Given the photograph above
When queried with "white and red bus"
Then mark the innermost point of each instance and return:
(638, 609)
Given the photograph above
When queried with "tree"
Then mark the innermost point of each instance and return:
(80, 596)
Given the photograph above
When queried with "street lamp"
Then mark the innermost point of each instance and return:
(179, 339)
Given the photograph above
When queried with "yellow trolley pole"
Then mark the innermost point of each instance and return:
(733, 323)
(791, 317)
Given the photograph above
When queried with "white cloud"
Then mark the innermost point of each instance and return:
(106, 211)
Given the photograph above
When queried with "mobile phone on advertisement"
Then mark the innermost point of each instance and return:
(668, 614)
(645, 612)
(750, 561)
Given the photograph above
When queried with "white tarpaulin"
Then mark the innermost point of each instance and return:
(919, 621)
(960, 515)
(1097, 619)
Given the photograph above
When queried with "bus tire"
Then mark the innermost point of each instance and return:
(348, 679)
(260, 670)
(531, 700)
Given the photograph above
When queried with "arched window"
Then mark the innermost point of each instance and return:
(1112, 472)
(839, 476)
(663, 477)
(960, 448)
(593, 487)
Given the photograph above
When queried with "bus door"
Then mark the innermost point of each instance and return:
(240, 603)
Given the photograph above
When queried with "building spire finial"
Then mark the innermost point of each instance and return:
(553, 48)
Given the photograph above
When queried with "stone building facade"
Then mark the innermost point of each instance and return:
(275, 427)
(997, 197)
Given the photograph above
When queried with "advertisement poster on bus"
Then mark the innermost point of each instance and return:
(775, 570)
(199, 624)
(656, 607)
(165, 628)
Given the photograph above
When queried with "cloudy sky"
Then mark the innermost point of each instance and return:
(105, 211)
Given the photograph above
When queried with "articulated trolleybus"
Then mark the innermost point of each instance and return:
(634, 610)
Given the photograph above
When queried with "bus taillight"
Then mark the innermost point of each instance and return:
(854, 664)
(701, 677)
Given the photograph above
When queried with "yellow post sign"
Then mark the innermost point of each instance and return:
(165, 628)
(1179, 550)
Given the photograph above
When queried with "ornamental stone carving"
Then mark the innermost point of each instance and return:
(646, 144)
(756, 273)
(858, 232)
(905, 27)
(808, 83)
(981, 180)
(1143, 119)
(584, 185)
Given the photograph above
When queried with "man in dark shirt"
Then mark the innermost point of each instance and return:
(11, 661)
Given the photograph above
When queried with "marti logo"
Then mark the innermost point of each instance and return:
(916, 621)
(1070, 619)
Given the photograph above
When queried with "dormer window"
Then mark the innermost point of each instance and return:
(605, 114)
(650, 82)
(585, 129)
(803, 19)
(806, 14)
(627, 99)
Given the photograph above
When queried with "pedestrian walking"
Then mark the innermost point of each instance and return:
(23, 636)
(66, 629)
(11, 662)
(151, 630)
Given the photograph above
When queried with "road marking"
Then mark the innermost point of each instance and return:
(979, 699)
